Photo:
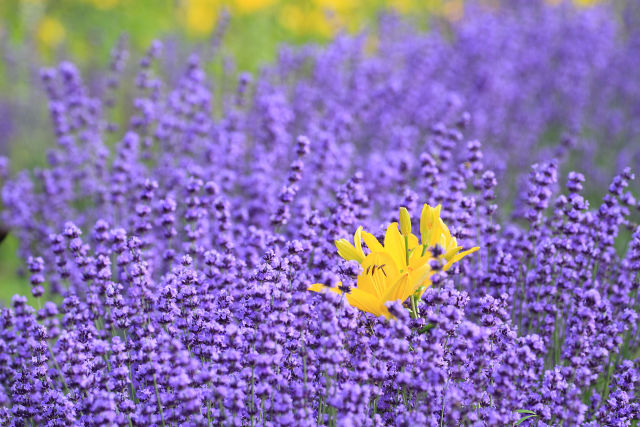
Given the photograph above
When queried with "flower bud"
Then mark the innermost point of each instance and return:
(405, 222)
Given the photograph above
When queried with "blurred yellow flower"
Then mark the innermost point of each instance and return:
(402, 6)
(250, 6)
(337, 5)
(105, 4)
(305, 20)
(582, 3)
(200, 15)
(50, 32)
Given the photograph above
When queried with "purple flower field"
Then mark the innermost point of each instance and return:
(430, 229)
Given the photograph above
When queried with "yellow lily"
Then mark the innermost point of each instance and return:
(401, 267)
(380, 281)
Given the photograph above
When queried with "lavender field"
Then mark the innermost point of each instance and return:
(400, 227)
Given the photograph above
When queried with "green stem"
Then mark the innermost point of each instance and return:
(414, 307)
(155, 386)
(406, 249)
(55, 363)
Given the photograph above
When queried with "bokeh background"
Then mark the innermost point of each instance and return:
(240, 35)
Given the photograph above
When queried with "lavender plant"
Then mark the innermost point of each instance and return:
(182, 245)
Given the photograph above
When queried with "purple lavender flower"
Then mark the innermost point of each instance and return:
(170, 253)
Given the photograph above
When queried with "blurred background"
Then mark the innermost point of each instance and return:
(243, 33)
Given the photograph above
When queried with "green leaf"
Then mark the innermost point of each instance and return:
(525, 411)
(521, 420)
(426, 328)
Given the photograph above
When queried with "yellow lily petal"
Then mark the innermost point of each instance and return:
(371, 242)
(365, 302)
(400, 290)
(451, 252)
(378, 269)
(417, 257)
(420, 276)
(428, 218)
(394, 245)
(357, 239)
(319, 287)
(458, 257)
(413, 242)
(349, 252)
(436, 234)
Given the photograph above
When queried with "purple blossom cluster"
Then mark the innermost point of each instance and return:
(174, 249)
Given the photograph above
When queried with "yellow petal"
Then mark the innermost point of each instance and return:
(371, 242)
(378, 271)
(365, 301)
(418, 257)
(357, 239)
(436, 234)
(347, 251)
(444, 229)
(451, 252)
(394, 245)
(319, 287)
(413, 242)
(428, 218)
(458, 257)
(400, 290)
(420, 276)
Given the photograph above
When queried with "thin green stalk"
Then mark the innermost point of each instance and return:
(55, 363)
(375, 407)
(414, 307)
(444, 392)
(442, 410)
(252, 392)
(406, 249)
(155, 386)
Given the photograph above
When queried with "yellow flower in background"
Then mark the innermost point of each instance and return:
(250, 6)
(201, 15)
(50, 32)
(337, 5)
(305, 20)
(105, 4)
(402, 6)
(401, 267)
(582, 3)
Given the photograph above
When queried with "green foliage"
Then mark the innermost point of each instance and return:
(10, 283)
(529, 415)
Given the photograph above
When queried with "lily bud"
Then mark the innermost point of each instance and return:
(405, 222)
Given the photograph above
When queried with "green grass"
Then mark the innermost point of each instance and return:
(10, 282)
